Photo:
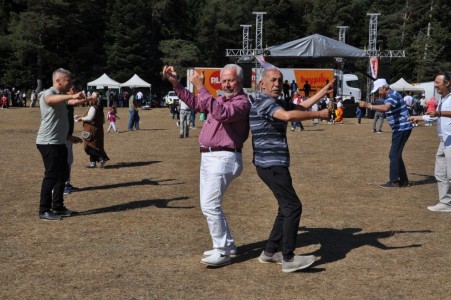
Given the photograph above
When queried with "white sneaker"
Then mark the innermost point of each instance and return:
(232, 252)
(216, 259)
(441, 207)
(298, 262)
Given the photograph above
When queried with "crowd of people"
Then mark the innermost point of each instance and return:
(229, 119)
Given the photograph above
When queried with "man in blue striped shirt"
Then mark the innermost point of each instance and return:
(397, 115)
(268, 123)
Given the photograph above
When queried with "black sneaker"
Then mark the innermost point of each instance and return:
(65, 212)
(49, 216)
(389, 185)
(374, 130)
(405, 184)
(71, 187)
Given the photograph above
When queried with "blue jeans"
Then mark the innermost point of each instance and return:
(133, 121)
(398, 171)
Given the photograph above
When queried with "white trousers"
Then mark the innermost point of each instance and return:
(217, 170)
(443, 173)
(112, 125)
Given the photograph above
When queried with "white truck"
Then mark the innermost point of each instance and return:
(346, 84)
(170, 98)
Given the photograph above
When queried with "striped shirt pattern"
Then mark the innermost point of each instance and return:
(269, 135)
(397, 114)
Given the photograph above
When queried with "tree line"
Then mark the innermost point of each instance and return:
(124, 37)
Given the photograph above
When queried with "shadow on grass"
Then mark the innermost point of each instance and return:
(160, 203)
(335, 244)
(132, 164)
(428, 179)
(126, 184)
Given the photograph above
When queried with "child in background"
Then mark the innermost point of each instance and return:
(4, 102)
(112, 116)
(358, 114)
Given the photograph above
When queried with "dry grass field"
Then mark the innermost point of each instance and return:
(140, 233)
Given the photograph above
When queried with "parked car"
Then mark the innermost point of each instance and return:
(171, 98)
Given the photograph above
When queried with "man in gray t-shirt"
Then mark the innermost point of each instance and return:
(51, 143)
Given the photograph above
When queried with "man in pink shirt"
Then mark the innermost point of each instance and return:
(221, 140)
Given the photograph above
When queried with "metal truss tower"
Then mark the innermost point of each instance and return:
(342, 33)
(259, 29)
(372, 49)
(245, 54)
(246, 36)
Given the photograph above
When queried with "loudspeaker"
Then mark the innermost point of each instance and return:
(384, 69)
(247, 75)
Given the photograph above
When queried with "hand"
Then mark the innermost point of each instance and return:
(197, 79)
(324, 114)
(328, 88)
(413, 119)
(75, 139)
(433, 113)
(170, 74)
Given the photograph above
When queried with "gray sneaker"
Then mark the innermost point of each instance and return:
(298, 262)
(275, 258)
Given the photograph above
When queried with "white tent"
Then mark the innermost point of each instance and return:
(401, 85)
(103, 81)
(135, 82)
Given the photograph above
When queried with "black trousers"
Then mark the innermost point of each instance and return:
(286, 225)
(55, 175)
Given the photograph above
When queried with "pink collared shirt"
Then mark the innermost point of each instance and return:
(227, 123)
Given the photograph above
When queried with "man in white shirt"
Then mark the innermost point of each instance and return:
(442, 116)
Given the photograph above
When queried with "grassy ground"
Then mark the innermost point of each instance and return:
(140, 233)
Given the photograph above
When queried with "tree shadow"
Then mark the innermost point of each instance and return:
(126, 184)
(159, 203)
(428, 179)
(131, 164)
(335, 244)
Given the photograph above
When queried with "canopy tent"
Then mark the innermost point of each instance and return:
(103, 81)
(316, 45)
(401, 85)
(135, 82)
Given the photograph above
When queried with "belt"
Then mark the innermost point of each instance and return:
(214, 149)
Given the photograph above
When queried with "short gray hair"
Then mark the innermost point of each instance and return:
(58, 72)
(237, 68)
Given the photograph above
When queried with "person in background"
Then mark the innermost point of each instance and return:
(192, 119)
(294, 88)
(185, 112)
(221, 141)
(133, 121)
(71, 139)
(93, 122)
(268, 119)
(112, 116)
(395, 110)
(297, 100)
(358, 114)
(378, 117)
(431, 106)
(442, 116)
(339, 111)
